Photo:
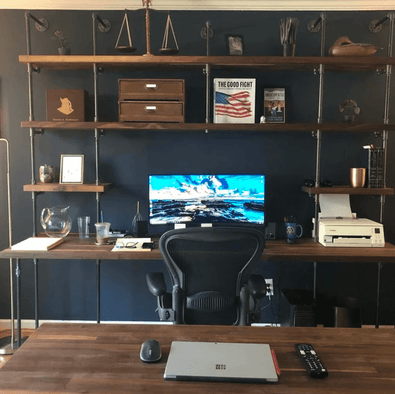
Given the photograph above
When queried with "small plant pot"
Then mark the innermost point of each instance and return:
(64, 51)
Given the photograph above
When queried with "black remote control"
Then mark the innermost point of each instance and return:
(314, 366)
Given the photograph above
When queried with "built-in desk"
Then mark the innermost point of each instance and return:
(275, 250)
(104, 358)
(74, 248)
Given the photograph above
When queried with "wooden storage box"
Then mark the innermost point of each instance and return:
(66, 105)
(151, 100)
(151, 111)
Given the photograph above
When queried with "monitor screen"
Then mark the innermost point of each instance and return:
(207, 199)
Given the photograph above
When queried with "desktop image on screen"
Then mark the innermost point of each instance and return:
(227, 199)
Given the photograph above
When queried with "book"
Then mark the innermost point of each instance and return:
(234, 100)
(274, 105)
(37, 243)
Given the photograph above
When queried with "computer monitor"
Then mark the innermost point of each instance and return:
(207, 199)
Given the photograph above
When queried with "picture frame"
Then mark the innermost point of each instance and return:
(234, 44)
(71, 169)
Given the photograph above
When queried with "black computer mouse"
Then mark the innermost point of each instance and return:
(150, 351)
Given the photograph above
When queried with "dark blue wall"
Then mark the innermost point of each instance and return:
(67, 289)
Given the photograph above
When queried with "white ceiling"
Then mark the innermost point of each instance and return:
(268, 5)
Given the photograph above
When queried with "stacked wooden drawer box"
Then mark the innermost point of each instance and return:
(151, 100)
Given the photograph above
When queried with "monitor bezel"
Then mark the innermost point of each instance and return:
(209, 223)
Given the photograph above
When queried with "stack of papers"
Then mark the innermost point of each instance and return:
(37, 243)
(131, 245)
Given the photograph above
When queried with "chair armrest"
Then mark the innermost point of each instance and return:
(156, 283)
(257, 286)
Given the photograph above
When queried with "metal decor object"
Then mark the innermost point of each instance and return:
(165, 43)
(125, 48)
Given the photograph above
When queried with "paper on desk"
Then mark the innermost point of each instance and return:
(335, 206)
(131, 245)
(37, 243)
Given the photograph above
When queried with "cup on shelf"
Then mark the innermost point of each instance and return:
(357, 177)
(46, 173)
(83, 226)
(102, 233)
(291, 229)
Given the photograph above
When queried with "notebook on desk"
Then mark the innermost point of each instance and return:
(218, 361)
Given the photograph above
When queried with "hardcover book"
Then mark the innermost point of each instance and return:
(274, 105)
(234, 100)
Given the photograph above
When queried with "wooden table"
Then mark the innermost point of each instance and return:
(103, 358)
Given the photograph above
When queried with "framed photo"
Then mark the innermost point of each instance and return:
(234, 44)
(71, 169)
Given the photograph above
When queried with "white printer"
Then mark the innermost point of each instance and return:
(338, 226)
(351, 232)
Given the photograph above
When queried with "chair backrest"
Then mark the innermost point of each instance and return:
(208, 267)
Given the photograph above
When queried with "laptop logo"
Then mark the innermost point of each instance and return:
(220, 366)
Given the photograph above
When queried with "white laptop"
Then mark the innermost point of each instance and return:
(218, 361)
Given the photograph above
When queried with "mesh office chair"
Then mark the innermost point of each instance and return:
(210, 270)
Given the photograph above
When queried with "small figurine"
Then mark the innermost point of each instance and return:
(349, 109)
(343, 46)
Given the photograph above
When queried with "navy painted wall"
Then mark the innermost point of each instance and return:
(67, 289)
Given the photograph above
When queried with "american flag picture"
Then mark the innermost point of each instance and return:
(237, 105)
(234, 100)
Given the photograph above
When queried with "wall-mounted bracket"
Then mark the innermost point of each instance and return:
(378, 134)
(380, 71)
(104, 25)
(38, 131)
(41, 24)
(375, 25)
(315, 26)
(205, 29)
(100, 70)
(314, 133)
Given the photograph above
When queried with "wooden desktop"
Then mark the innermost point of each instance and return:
(104, 358)
(275, 250)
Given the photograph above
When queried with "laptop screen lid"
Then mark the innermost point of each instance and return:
(219, 361)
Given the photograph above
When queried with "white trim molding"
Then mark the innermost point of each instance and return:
(203, 5)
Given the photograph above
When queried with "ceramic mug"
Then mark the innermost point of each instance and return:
(291, 232)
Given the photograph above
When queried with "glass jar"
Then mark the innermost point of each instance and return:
(56, 221)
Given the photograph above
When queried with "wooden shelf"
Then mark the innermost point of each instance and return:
(262, 127)
(269, 63)
(349, 190)
(57, 187)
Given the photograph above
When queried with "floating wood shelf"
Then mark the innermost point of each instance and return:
(63, 187)
(349, 190)
(263, 127)
(298, 63)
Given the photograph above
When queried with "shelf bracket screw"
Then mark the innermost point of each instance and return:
(315, 26)
(375, 25)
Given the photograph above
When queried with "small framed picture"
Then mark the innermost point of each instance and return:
(234, 44)
(71, 169)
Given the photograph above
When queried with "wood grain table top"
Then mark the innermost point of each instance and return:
(104, 358)
(275, 250)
